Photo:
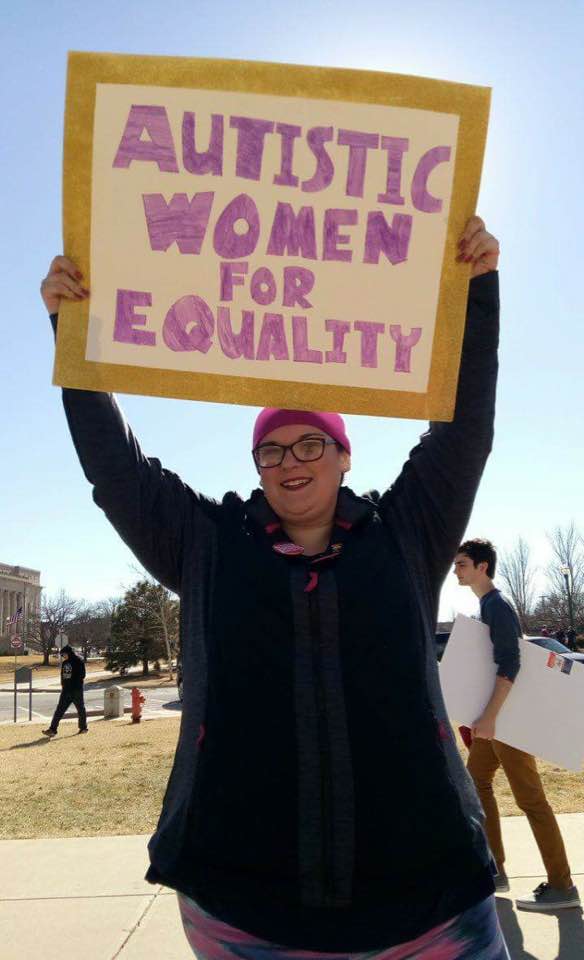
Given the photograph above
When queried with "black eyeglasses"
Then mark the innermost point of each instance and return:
(305, 450)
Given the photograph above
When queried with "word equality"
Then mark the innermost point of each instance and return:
(251, 137)
(191, 325)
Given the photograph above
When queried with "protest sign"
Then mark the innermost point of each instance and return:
(268, 234)
(543, 713)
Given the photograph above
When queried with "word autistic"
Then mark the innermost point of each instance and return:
(251, 138)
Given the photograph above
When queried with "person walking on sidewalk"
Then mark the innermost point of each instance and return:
(72, 677)
(475, 566)
(317, 801)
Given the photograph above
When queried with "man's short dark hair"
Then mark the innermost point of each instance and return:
(481, 551)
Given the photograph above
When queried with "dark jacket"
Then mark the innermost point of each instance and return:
(505, 629)
(72, 670)
(317, 797)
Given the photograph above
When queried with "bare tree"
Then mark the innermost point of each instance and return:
(107, 608)
(90, 628)
(165, 610)
(518, 576)
(55, 616)
(565, 575)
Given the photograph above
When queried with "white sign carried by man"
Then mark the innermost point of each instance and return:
(543, 713)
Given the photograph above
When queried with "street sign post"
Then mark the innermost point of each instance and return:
(15, 643)
(22, 675)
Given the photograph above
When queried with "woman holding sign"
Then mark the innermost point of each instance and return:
(317, 802)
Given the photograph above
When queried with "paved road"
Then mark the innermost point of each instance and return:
(43, 704)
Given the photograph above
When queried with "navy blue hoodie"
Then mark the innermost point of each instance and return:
(317, 797)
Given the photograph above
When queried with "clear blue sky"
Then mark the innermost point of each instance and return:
(531, 197)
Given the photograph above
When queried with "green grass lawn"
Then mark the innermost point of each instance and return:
(112, 780)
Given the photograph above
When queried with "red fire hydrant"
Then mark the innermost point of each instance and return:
(137, 701)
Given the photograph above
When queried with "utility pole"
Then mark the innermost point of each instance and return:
(566, 575)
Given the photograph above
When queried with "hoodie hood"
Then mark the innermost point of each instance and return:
(69, 650)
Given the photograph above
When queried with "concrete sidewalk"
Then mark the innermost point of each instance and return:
(86, 898)
(48, 684)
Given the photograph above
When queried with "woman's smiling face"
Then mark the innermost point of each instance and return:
(304, 492)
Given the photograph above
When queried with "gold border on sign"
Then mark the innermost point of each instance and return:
(470, 103)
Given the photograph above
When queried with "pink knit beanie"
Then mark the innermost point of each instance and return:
(271, 418)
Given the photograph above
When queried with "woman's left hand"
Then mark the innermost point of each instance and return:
(478, 246)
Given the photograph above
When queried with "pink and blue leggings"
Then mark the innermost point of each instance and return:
(473, 935)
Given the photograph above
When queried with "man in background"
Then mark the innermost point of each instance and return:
(475, 565)
(72, 677)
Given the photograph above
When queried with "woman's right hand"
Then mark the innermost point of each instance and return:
(62, 280)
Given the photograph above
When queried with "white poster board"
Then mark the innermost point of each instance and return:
(544, 712)
(268, 234)
(144, 227)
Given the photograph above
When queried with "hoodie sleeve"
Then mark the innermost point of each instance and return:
(148, 505)
(77, 670)
(435, 491)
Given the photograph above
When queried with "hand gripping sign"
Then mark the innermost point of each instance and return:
(268, 234)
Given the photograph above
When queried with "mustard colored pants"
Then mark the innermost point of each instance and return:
(485, 758)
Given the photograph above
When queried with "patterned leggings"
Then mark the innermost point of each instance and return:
(473, 935)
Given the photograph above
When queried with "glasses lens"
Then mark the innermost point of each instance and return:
(309, 449)
(269, 456)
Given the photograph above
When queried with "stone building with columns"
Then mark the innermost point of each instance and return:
(19, 587)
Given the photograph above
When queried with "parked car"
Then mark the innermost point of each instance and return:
(441, 641)
(549, 643)
(555, 646)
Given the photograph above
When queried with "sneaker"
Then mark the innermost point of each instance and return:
(501, 882)
(84, 730)
(546, 897)
(49, 733)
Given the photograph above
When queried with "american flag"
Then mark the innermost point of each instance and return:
(15, 616)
